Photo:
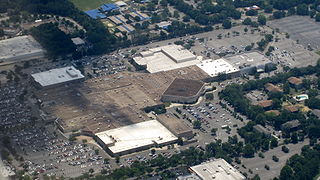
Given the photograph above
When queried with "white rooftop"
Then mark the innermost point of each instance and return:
(252, 59)
(120, 3)
(77, 41)
(217, 169)
(215, 67)
(135, 136)
(56, 76)
(164, 23)
(167, 58)
(21, 47)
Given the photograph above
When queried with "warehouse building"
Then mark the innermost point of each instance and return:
(219, 66)
(217, 169)
(21, 48)
(249, 62)
(175, 125)
(166, 58)
(183, 91)
(55, 77)
(135, 137)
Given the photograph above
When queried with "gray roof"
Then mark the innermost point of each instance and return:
(252, 59)
(57, 76)
(261, 129)
(291, 124)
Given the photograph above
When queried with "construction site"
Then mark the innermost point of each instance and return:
(111, 101)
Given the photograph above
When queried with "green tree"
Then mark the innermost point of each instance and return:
(273, 143)
(214, 131)
(294, 138)
(262, 20)
(302, 9)
(317, 17)
(286, 88)
(286, 173)
(247, 21)
(252, 12)
(1, 33)
(209, 96)
(248, 151)
(196, 124)
(226, 24)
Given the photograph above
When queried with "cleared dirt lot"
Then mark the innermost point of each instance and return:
(110, 101)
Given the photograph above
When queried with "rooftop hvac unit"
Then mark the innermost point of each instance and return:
(72, 72)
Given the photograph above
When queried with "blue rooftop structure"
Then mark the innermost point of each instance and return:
(108, 7)
(95, 14)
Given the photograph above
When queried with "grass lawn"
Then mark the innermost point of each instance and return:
(89, 4)
(318, 52)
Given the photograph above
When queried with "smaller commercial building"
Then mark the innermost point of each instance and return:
(135, 137)
(183, 91)
(247, 63)
(217, 169)
(175, 125)
(55, 77)
(219, 66)
(166, 58)
(21, 48)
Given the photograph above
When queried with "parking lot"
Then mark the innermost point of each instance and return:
(211, 115)
(46, 153)
(301, 28)
(257, 164)
(13, 111)
(288, 53)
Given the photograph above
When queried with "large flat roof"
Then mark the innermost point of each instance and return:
(184, 87)
(252, 59)
(217, 169)
(57, 76)
(215, 67)
(19, 47)
(135, 136)
(167, 58)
